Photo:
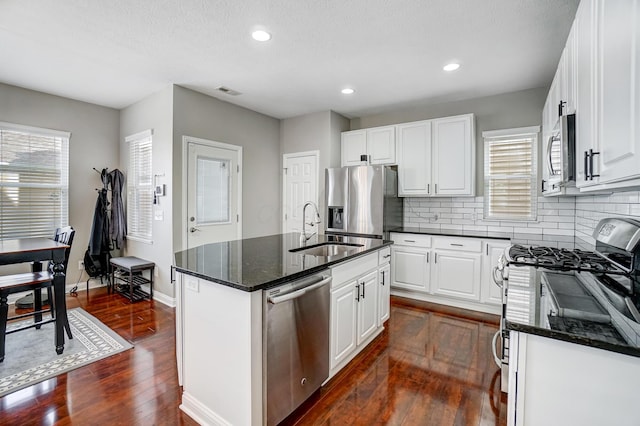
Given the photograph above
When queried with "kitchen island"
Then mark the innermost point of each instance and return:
(220, 318)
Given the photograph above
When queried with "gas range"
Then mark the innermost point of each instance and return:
(561, 259)
(581, 296)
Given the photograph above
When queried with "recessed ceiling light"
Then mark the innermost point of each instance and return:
(261, 35)
(451, 67)
(347, 91)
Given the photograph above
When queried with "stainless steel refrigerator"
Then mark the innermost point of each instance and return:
(362, 200)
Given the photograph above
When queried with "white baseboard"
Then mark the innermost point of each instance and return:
(200, 413)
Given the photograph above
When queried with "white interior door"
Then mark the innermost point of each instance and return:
(300, 183)
(213, 192)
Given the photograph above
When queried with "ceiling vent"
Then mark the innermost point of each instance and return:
(228, 91)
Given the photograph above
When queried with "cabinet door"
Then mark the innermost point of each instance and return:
(453, 156)
(490, 293)
(343, 322)
(585, 38)
(414, 159)
(354, 144)
(410, 268)
(381, 145)
(618, 89)
(456, 274)
(384, 294)
(368, 306)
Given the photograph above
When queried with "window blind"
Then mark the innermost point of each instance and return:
(140, 187)
(510, 165)
(34, 181)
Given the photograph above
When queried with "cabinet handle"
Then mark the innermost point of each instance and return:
(358, 292)
(436, 188)
(560, 107)
(542, 185)
(435, 257)
(382, 272)
(427, 257)
(386, 256)
(586, 165)
(409, 241)
(363, 287)
(591, 154)
(487, 249)
(172, 276)
(428, 189)
(456, 244)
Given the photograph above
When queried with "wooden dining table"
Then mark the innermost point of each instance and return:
(41, 250)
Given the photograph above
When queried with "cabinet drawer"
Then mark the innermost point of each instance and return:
(345, 272)
(384, 256)
(459, 244)
(411, 240)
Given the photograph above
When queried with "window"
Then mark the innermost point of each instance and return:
(510, 173)
(34, 181)
(140, 187)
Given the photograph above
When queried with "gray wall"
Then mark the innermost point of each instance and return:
(154, 112)
(506, 111)
(202, 116)
(93, 143)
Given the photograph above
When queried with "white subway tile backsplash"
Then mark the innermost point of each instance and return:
(558, 217)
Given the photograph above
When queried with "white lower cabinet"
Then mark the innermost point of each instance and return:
(490, 293)
(367, 306)
(456, 274)
(384, 295)
(343, 322)
(453, 271)
(552, 382)
(359, 306)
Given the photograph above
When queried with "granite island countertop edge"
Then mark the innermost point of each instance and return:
(286, 278)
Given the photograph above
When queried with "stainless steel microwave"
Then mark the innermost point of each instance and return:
(560, 156)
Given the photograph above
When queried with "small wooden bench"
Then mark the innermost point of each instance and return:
(10, 284)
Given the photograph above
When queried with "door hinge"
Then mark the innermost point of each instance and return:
(237, 218)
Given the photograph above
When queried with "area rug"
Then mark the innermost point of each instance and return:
(30, 355)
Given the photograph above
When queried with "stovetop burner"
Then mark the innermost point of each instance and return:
(562, 259)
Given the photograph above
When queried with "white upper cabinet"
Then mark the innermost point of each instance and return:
(599, 74)
(379, 143)
(453, 156)
(354, 144)
(586, 140)
(414, 159)
(618, 89)
(437, 157)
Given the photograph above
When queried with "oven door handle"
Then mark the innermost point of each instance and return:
(499, 282)
(494, 348)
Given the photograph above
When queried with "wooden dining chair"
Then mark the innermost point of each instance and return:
(62, 235)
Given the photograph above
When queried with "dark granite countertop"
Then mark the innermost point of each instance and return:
(526, 312)
(563, 241)
(259, 263)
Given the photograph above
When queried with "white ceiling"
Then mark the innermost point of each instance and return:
(116, 52)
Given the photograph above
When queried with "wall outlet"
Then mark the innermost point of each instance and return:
(81, 265)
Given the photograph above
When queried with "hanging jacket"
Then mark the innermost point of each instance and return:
(99, 238)
(118, 223)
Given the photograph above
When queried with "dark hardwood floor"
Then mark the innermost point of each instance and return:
(431, 366)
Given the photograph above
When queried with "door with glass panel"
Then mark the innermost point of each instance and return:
(213, 187)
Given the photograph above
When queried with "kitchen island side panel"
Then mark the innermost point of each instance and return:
(221, 353)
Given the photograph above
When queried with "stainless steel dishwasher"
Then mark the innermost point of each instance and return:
(296, 343)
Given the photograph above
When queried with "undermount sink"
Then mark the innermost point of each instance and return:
(327, 249)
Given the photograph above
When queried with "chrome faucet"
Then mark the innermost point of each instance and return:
(303, 234)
